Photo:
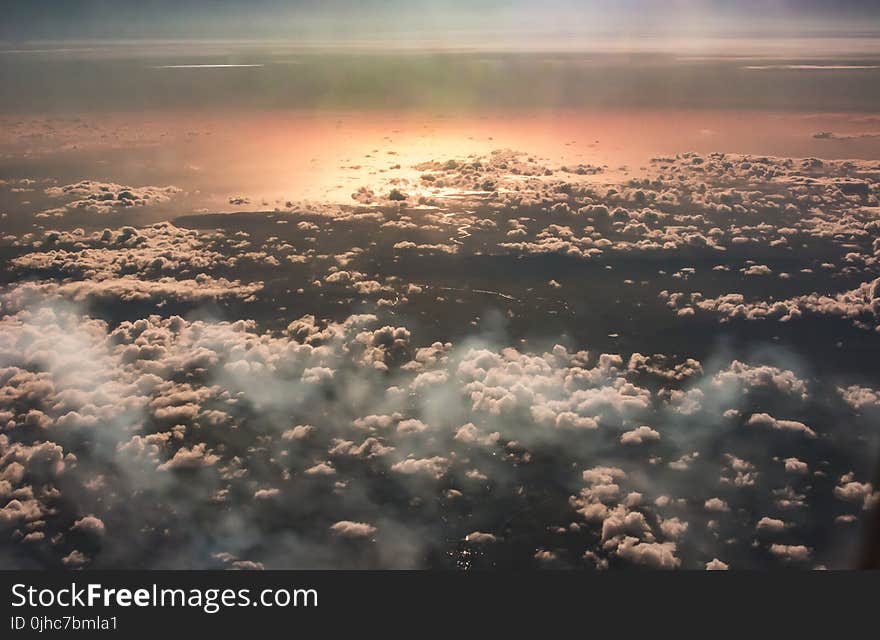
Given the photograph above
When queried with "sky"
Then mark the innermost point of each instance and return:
(515, 24)
(363, 284)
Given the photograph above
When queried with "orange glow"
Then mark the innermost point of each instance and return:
(273, 156)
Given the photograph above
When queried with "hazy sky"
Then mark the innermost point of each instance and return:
(454, 21)
(415, 336)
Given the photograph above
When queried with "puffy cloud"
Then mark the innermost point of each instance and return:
(89, 525)
(674, 528)
(299, 432)
(190, 458)
(657, 555)
(640, 435)
(320, 469)
(470, 434)
(768, 421)
(349, 529)
(75, 559)
(716, 505)
(310, 375)
(793, 465)
(791, 553)
(434, 467)
(740, 375)
(851, 491)
(860, 397)
(480, 538)
(18, 511)
(107, 197)
(411, 426)
(603, 475)
(770, 525)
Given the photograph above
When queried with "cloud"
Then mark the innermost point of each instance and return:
(716, 505)
(433, 467)
(640, 435)
(766, 420)
(860, 397)
(480, 538)
(89, 525)
(770, 525)
(791, 553)
(107, 197)
(652, 554)
(192, 458)
(348, 529)
(375, 371)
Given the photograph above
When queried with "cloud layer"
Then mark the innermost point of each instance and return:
(478, 367)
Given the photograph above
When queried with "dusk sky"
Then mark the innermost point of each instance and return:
(460, 285)
(515, 24)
